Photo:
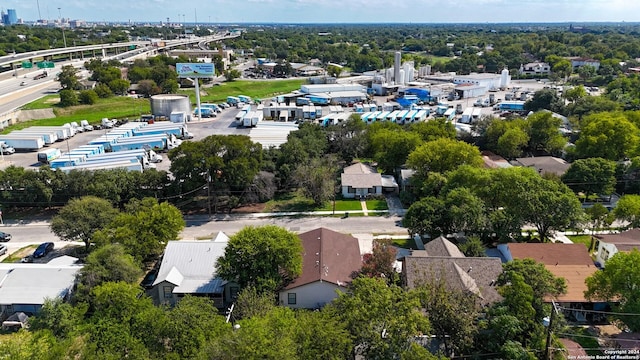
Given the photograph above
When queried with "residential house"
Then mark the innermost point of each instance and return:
(569, 261)
(493, 161)
(544, 164)
(535, 68)
(329, 261)
(443, 261)
(189, 268)
(579, 61)
(360, 181)
(24, 287)
(610, 244)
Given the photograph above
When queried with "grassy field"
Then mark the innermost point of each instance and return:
(254, 89)
(120, 107)
(342, 205)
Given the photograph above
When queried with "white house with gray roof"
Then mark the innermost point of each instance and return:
(25, 287)
(189, 268)
(360, 181)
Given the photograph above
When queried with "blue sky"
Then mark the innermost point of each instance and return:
(331, 11)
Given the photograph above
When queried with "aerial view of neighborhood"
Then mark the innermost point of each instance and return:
(192, 187)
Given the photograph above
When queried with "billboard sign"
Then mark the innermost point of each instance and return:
(195, 70)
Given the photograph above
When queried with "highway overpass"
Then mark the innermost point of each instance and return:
(102, 50)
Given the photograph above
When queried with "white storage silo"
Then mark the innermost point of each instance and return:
(401, 78)
(396, 67)
(165, 104)
(505, 78)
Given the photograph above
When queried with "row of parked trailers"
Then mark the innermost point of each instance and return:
(35, 138)
(130, 147)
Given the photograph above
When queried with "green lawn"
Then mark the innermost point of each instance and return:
(405, 243)
(289, 202)
(581, 239)
(253, 89)
(113, 107)
(120, 107)
(342, 205)
(377, 205)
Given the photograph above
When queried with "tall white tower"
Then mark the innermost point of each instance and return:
(396, 67)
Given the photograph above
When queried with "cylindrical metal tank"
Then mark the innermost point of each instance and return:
(504, 78)
(165, 104)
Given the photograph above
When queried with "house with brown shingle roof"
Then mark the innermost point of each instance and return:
(329, 260)
(360, 180)
(544, 164)
(569, 261)
(443, 261)
(610, 244)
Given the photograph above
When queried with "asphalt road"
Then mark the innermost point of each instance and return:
(25, 233)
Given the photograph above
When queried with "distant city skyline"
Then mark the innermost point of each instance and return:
(330, 11)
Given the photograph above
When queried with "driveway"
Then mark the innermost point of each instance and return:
(395, 205)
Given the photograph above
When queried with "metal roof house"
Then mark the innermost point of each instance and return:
(189, 268)
(25, 287)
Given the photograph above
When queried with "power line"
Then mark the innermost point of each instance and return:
(600, 312)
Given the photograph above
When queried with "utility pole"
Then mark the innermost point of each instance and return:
(547, 350)
(64, 39)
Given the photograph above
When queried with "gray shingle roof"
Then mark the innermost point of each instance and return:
(475, 275)
(440, 246)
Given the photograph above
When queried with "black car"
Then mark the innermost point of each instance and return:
(43, 249)
(4, 236)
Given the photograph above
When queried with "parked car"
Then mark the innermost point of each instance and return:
(43, 249)
(4, 236)
(3, 249)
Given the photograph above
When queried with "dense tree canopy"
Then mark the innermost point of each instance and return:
(267, 257)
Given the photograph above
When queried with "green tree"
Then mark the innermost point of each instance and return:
(545, 99)
(103, 91)
(466, 212)
(628, 209)
(68, 78)
(434, 129)
(608, 136)
(119, 86)
(68, 98)
(443, 155)
(88, 97)
(61, 318)
(108, 263)
(381, 319)
(317, 178)
(267, 257)
(426, 217)
(452, 315)
(145, 229)
(543, 133)
(617, 284)
(591, 176)
(232, 74)
(473, 247)
(511, 143)
(392, 146)
(81, 218)
(334, 70)
(251, 303)
(542, 282)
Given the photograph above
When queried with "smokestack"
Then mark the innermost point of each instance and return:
(396, 67)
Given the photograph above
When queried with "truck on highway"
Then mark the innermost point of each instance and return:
(48, 136)
(48, 155)
(6, 149)
(42, 75)
(127, 165)
(23, 142)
